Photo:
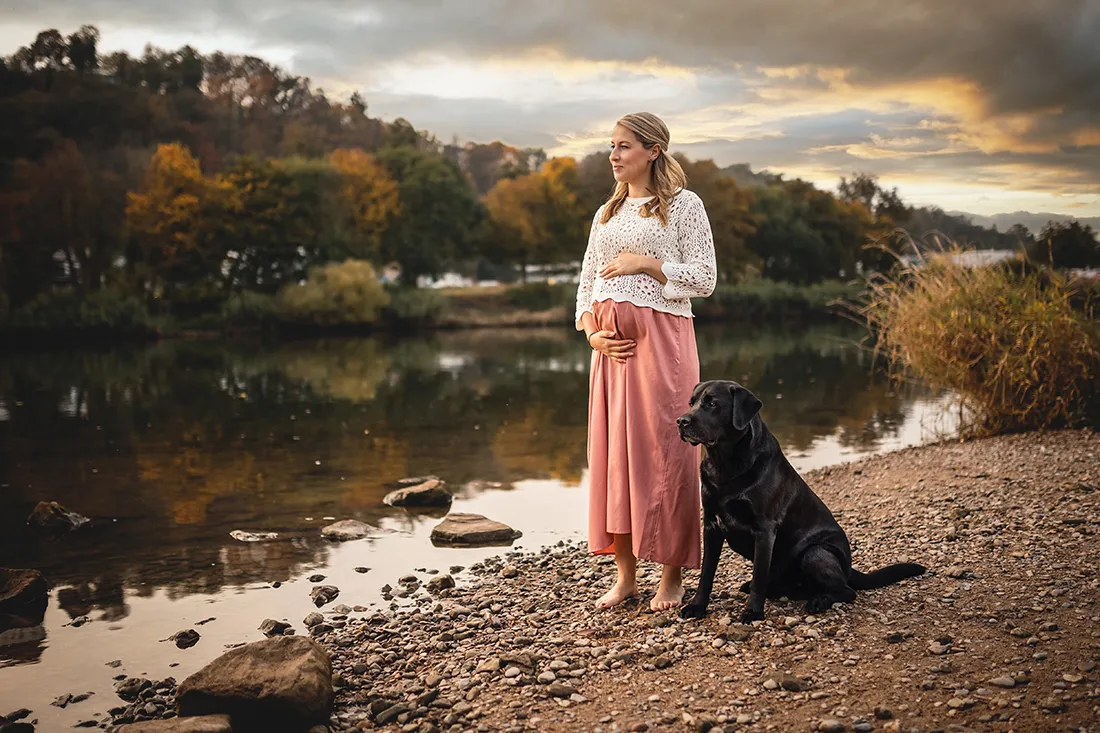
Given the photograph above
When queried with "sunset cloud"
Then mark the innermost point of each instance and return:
(921, 93)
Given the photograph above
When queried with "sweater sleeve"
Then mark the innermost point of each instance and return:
(697, 274)
(588, 274)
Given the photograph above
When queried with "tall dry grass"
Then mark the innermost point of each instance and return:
(1005, 339)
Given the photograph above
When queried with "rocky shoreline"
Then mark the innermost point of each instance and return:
(1002, 634)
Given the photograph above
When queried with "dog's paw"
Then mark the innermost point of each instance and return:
(819, 604)
(693, 610)
(745, 587)
(750, 614)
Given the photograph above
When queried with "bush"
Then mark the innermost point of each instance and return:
(107, 309)
(1008, 343)
(249, 309)
(541, 296)
(415, 306)
(336, 294)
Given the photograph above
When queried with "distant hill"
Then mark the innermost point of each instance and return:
(1034, 222)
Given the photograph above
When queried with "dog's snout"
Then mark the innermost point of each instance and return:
(683, 421)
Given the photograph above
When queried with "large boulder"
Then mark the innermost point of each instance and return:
(345, 530)
(472, 529)
(284, 683)
(52, 517)
(24, 595)
(200, 724)
(430, 493)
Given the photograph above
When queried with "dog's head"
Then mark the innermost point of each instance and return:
(719, 411)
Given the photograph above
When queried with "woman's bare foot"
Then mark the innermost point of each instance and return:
(670, 591)
(668, 596)
(618, 593)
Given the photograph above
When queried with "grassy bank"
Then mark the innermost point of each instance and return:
(336, 305)
(1018, 346)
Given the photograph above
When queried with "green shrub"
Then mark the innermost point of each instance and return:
(1008, 343)
(771, 299)
(70, 309)
(541, 296)
(249, 309)
(415, 306)
(339, 293)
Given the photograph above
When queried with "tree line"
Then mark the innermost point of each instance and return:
(183, 179)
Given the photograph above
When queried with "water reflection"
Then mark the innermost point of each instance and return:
(170, 448)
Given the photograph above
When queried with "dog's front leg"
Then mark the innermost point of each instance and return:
(763, 541)
(713, 539)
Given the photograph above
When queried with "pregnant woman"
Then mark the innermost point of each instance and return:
(650, 251)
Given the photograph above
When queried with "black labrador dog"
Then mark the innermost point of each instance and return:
(755, 500)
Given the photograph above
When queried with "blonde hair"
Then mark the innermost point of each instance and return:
(668, 176)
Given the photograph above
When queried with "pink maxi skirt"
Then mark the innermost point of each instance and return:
(643, 480)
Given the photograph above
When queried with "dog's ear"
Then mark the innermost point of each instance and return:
(745, 406)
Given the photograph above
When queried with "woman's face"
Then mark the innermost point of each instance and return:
(629, 160)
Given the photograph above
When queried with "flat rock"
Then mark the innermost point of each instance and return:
(241, 536)
(282, 682)
(431, 492)
(199, 724)
(472, 529)
(24, 594)
(346, 530)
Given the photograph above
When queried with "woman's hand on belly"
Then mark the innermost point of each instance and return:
(614, 348)
(626, 263)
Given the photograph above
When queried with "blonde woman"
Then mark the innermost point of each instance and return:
(651, 249)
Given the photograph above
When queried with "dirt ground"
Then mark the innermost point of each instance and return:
(1002, 633)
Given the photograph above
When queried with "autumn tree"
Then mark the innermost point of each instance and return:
(536, 218)
(176, 222)
(371, 201)
(67, 213)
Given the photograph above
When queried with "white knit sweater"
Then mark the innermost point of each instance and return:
(686, 246)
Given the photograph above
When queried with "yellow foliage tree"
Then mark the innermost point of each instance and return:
(173, 221)
(536, 218)
(372, 198)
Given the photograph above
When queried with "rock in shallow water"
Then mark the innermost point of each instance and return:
(51, 516)
(186, 639)
(24, 594)
(472, 529)
(241, 536)
(432, 492)
(271, 627)
(345, 530)
(283, 682)
(323, 594)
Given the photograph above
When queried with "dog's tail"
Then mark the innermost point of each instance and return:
(884, 576)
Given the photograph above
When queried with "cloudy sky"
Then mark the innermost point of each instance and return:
(985, 107)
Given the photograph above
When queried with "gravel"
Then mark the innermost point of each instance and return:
(1003, 630)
